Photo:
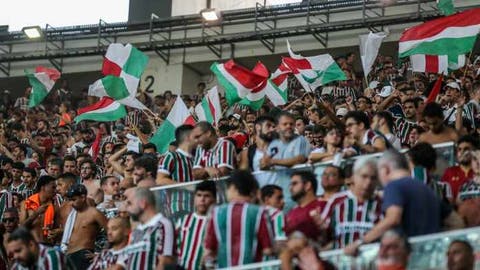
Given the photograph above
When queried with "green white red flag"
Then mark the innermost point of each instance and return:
(209, 109)
(436, 63)
(126, 63)
(451, 35)
(41, 81)
(165, 134)
(277, 87)
(313, 71)
(105, 110)
(241, 84)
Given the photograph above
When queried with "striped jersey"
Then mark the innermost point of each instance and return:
(27, 192)
(147, 242)
(105, 259)
(6, 201)
(178, 165)
(469, 190)
(221, 155)
(17, 189)
(277, 218)
(48, 259)
(238, 232)
(350, 219)
(441, 189)
(403, 127)
(190, 232)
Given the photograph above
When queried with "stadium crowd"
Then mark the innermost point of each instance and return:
(65, 206)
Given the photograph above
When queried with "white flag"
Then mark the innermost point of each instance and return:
(369, 46)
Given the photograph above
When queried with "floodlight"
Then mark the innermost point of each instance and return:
(210, 14)
(32, 31)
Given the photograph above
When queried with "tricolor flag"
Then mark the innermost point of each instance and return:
(106, 110)
(126, 63)
(451, 35)
(313, 71)
(436, 63)
(209, 109)
(277, 87)
(165, 134)
(42, 82)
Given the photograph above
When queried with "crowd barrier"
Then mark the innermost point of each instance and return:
(175, 201)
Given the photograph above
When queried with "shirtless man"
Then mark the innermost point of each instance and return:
(79, 241)
(439, 132)
(87, 175)
(38, 212)
(125, 168)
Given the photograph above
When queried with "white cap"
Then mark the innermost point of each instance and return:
(373, 84)
(453, 85)
(342, 112)
(386, 91)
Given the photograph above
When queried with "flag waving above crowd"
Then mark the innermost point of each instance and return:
(122, 67)
(42, 81)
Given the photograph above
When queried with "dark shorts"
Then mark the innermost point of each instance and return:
(79, 259)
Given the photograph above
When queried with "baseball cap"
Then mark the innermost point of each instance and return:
(373, 84)
(453, 85)
(76, 190)
(386, 91)
(236, 116)
(342, 112)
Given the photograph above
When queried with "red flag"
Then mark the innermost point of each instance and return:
(95, 148)
(435, 90)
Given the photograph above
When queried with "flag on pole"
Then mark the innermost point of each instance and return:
(369, 46)
(241, 84)
(451, 35)
(42, 82)
(313, 71)
(95, 148)
(106, 110)
(165, 134)
(209, 109)
(277, 86)
(436, 63)
(435, 90)
(446, 7)
(126, 63)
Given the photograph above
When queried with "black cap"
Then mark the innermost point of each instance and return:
(76, 190)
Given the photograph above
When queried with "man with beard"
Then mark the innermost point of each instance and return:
(54, 167)
(69, 165)
(394, 251)
(124, 166)
(460, 255)
(10, 221)
(304, 216)
(403, 125)
(285, 152)
(82, 227)
(17, 185)
(438, 132)
(457, 175)
(176, 167)
(29, 254)
(59, 146)
(29, 177)
(250, 157)
(151, 244)
(118, 231)
(145, 171)
(214, 157)
(87, 175)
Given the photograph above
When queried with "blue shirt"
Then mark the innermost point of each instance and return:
(421, 208)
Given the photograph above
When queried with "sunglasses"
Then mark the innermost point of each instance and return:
(7, 220)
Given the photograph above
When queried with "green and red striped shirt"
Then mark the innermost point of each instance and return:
(48, 259)
(6, 201)
(190, 232)
(147, 242)
(178, 165)
(221, 155)
(238, 232)
(350, 219)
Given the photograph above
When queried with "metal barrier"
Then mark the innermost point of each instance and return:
(428, 252)
(176, 200)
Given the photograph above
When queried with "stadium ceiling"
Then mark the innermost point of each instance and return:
(262, 23)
